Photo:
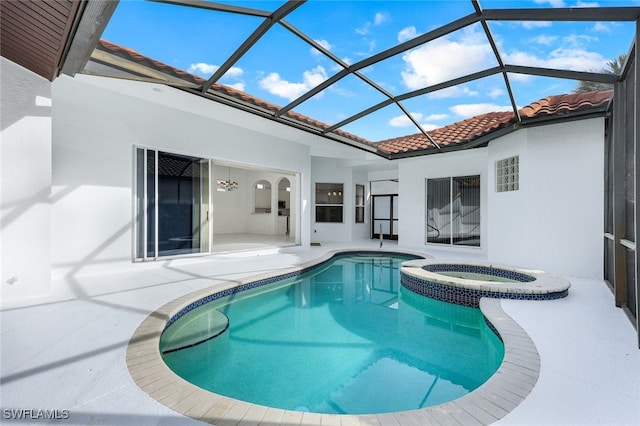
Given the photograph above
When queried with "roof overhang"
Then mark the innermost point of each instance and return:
(49, 37)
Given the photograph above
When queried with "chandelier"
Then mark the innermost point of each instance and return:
(227, 185)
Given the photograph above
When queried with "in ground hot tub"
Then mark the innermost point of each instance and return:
(465, 283)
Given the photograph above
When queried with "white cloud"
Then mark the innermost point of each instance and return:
(600, 27)
(587, 4)
(572, 55)
(444, 59)
(363, 30)
(237, 86)
(230, 78)
(529, 25)
(337, 68)
(436, 117)
(323, 43)
(206, 70)
(471, 110)
(544, 39)
(453, 92)
(520, 78)
(576, 41)
(203, 69)
(560, 58)
(407, 34)
(404, 121)
(495, 93)
(552, 3)
(429, 126)
(380, 18)
(234, 72)
(275, 85)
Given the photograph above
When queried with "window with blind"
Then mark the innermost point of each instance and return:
(453, 211)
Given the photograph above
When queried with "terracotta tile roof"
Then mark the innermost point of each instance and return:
(462, 132)
(140, 59)
(564, 104)
(133, 56)
(454, 134)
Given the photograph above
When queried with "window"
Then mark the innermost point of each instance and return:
(172, 204)
(359, 203)
(262, 198)
(453, 211)
(329, 202)
(508, 174)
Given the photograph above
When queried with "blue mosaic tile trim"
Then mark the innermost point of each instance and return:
(405, 256)
(466, 296)
(260, 283)
(229, 292)
(478, 269)
(492, 328)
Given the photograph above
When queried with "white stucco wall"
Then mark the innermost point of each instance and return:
(333, 170)
(555, 221)
(552, 223)
(226, 205)
(97, 121)
(25, 183)
(413, 173)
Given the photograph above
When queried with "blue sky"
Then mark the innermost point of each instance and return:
(281, 67)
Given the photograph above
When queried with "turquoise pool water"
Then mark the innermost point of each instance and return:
(345, 338)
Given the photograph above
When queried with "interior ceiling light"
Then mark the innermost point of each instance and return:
(227, 185)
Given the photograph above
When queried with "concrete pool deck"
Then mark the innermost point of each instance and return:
(67, 352)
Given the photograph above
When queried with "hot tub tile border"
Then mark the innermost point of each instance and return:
(480, 269)
(466, 296)
(422, 277)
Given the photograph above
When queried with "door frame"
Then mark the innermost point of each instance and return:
(393, 221)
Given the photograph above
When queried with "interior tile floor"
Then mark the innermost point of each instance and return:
(67, 351)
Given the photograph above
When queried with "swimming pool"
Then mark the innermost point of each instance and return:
(341, 338)
(499, 395)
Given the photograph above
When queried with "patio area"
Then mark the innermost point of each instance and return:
(67, 351)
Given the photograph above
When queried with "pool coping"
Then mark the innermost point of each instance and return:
(543, 283)
(503, 392)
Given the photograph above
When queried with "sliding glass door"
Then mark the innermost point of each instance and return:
(172, 204)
